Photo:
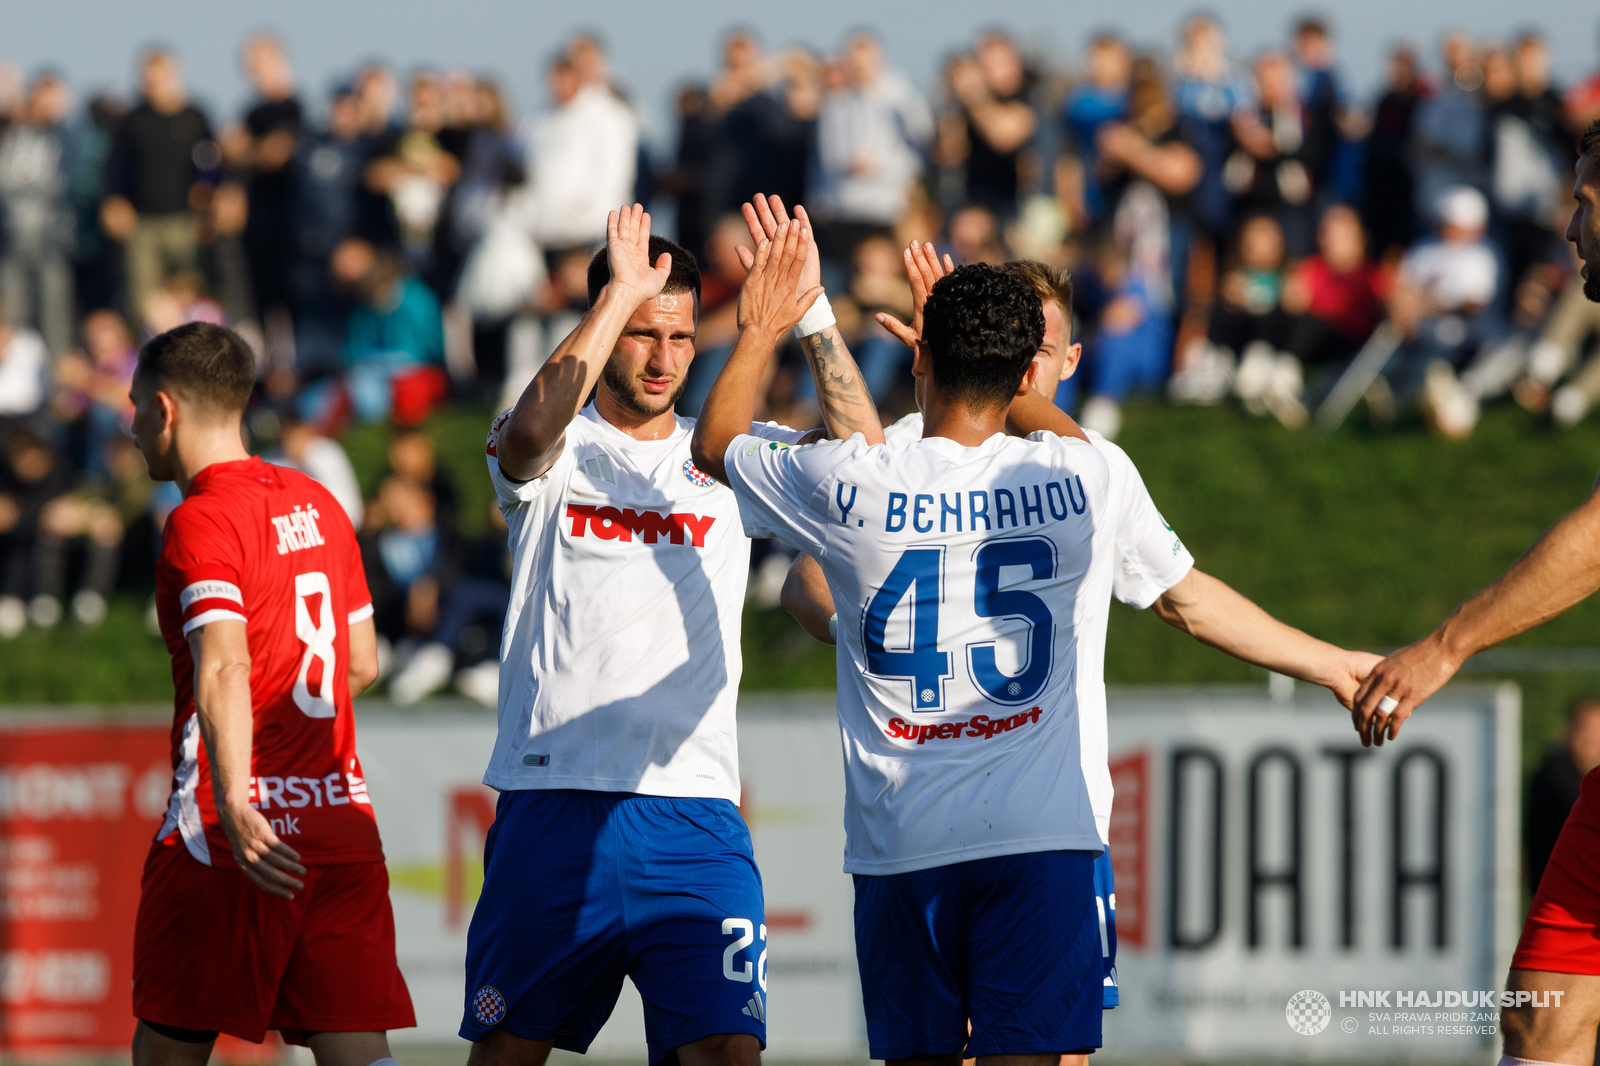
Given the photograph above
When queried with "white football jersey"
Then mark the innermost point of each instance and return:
(1137, 557)
(959, 576)
(620, 662)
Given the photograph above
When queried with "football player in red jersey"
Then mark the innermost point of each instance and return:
(264, 903)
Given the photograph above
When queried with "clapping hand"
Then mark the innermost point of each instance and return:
(628, 253)
(764, 214)
(770, 301)
(923, 269)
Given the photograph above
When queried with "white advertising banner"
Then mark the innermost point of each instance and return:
(1260, 854)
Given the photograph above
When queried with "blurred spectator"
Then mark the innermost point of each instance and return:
(1249, 320)
(878, 283)
(1208, 95)
(1281, 150)
(92, 388)
(1449, 135)
(1131, 346)
(36, 268)
(1146, 174)
(1571, 328)
(1445, 305)
(870, 139)
(96, 266)
(91, 521)
(1334, 298)
(412, 455)
(766, 108)
(323, 460)
(464, 641)
(262, 150)
(581, 159)
(162, 168)
(1320, 94)
(24, 370)
(991, 89)
(1389, 210)
(414, 170)
(378, 93)
(394, 340)
(32, 476)
(975, 236)
(1102, 98)
(1554, 788)
(180, 299)
(1532, 153)
(691, 171)
(409, 560)
(325, 198)
(717, 327)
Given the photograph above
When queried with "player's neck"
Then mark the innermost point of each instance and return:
(958, 421)
(205, 446)
(631, 422)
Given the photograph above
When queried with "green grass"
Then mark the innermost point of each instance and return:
(1363, 539)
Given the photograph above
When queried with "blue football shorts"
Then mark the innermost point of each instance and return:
(1105, 899)
(583, 888)
(1011, 943)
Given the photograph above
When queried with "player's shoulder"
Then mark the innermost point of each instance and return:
(1116, 457)
(903, 431)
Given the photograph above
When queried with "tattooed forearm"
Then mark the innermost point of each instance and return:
(846, 404)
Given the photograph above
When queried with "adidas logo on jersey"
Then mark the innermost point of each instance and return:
(297, 530)
(599, 468)
(756, 1009)
(611, 523)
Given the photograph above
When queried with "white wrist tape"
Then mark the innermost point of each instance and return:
(833, 627)
(819, 318)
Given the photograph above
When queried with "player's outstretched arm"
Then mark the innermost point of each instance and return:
(768, 308)
(363, 656)
(807, 597)
(1213, 613)
(842, 394)
(1561, 568)
(530, 441)
(222, 703)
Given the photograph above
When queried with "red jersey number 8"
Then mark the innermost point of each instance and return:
(318, 639)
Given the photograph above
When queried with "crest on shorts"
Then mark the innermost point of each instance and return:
(693, 473)
(488, 1005)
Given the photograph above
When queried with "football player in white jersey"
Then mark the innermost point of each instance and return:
(960, 563)
(1150, 566)
(617, 847)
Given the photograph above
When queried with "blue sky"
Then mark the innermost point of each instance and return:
(656, 45)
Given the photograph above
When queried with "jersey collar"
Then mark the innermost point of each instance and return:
(254, 466)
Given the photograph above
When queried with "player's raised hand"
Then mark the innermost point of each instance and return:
(628, 253)
(269, 863)
(764, 214)
(770, 301)
(1395, 686)
(923, 269)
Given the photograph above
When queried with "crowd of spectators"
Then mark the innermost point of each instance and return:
(1235, 230)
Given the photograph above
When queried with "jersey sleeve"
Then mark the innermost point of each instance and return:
(204, 560)
(781, 434)
(1151, 557)
(782, 488)
(509, 491)
(358, 598)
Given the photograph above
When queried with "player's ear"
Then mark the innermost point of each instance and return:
(1029, 376)
(921, 360)
(1069, 366)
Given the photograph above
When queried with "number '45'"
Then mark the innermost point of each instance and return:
(919, 572)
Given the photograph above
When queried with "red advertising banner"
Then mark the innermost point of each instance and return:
(79, 806)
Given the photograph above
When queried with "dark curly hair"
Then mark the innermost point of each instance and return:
(982, 327)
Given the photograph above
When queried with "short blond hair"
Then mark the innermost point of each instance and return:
(1043, 280)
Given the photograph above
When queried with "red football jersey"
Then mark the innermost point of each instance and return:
(270, 547)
